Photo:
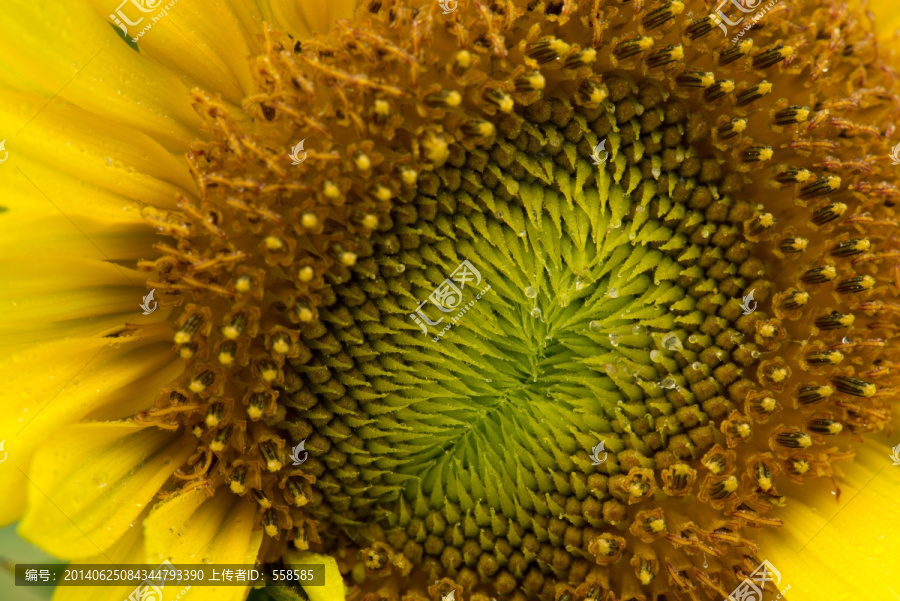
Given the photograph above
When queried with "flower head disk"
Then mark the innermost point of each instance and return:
(609, 298)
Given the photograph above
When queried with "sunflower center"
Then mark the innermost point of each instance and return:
(480, 272)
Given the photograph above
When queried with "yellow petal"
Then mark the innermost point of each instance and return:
(88, 65)
(128, 550)
(333, 590)
(91, 482)
(191, 528)
(847, 550)
(68, 386)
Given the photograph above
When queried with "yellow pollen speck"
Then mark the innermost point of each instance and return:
(768, 404)
(309, 220)
(767, 330)
(254, 412)
(231, 332)
(226, 358)
(598, 95)
(765, 87)
(436, 149)
(657, 526)
(588, 56)
(731, 484)
(271, 529)
(537, 81)
(237, 488)
(197, 386)
(362, 162)
(242, 284)
(273, 465)
(305, 315)
(331, 190)
(506, 104)
(185, 352)
(348, 259)
(744, 430)
(453, 99)
(463, 59)
(835, 428)
(269, 375)
(645, 43)
(274, 243)
(778, 375)
(636, 490)
(801, 467)
(182, 337)
(645, 576)
(212, 421)
(305, 274)
(676, 8)
(765, 154)
(281, 347)
(197, 431)
(382, 107)
(409, 176)
(383, 193)
(765, 483)
(678, 52)
(370, 222)
(706, 80)
(217, 446)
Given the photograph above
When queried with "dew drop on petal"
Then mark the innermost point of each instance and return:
(530, 292)
(595, 325)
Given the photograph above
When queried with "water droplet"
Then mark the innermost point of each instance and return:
(632, 236)
(522, 233)
(530, 292)
(613, 292)
(488, 380)
(755, 354)
(696, 365)
(595, 325)
(672, 342)
(580, 284)
(616, 224)
(401, 268)
(610, 369)
(846, 340)
(535, 312)
(705, 564)
(638, 329)
(655, 356)
(614, 339)
(668, 383)
(639, 210)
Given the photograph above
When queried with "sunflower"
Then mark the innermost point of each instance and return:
(560, 300)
